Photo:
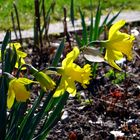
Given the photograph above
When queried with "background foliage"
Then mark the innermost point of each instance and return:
(26, 9)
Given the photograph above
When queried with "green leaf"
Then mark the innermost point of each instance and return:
(72, 12)
(3, 107)
(36, 119)
(58, 54)
(28, 119)
(13, 120)
(97, 22)
(7, 67)
(104, 23)
(14, 59)
(91, 29)
(4, 44)
(94, 69)
(53, 117)
(113, 19)
(84, 28)
(78, 40)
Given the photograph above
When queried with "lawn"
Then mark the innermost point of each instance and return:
(26, 9)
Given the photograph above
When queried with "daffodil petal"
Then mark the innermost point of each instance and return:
(72, 72)
(111, 56)
(21, 54)
(71, 88)
(114, 65)
(61, 88)
(125, 45)
(25, 81)
(16, 45)
(18, 90)
(21, 93)
(18, 86)
(10, 98)
(21, 63)
(115, 27)
(70, 57)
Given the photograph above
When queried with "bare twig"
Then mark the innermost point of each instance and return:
(14, 26)
(18, 22)
(66, 28)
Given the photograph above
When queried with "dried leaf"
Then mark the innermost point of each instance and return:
(93, 55)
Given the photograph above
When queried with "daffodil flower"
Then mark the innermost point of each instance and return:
(72, 72)
(118, 45)
(20, 54)
(18, 90)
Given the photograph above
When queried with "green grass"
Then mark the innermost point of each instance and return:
(26, 9)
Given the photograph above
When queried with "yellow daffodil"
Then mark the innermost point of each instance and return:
(20, 54)
(45, 81)
(18, 90)
(72, 72)
(118, 44)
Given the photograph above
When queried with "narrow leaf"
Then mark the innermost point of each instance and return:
(5, 41)
(3, 107)
(52, 118)
(97, 22)
(113, 19)
(28, 119)
(72, 12)
(91, 29)
(84, 29)
(104, 23)
(14, 59)
(78, 40)
(58, 54)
